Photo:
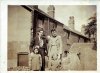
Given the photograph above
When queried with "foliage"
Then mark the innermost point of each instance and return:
(91, 28)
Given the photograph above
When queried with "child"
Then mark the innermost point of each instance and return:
(54, 63)
(65, 53)
(35, 61)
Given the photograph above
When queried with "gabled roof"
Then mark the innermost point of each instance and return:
(46, 15)
(41, 12)
(74, 31)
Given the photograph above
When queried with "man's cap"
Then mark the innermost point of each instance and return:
(53, 29)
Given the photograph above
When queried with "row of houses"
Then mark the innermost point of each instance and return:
(23, 22)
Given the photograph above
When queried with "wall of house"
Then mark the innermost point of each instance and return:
(73, 38)
(46, 27)
(81, 40)
(63, 35)
(51, 24)
(19, 24)
(64, 40)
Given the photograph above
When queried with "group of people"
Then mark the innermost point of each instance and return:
(42, 47)
(46, 52)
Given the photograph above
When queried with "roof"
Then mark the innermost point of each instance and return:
(74, 31)
(41, 12)
(45, 14)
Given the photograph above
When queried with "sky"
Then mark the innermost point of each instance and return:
(81, 13)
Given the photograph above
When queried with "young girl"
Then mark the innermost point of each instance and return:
(35, 61)
(54, 63)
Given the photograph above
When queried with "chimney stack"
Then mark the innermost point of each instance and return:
(51, 11)
(71, 22)
(35, 6)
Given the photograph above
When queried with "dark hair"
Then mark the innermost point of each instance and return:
(37, 49)
(65, 52)
(53, 30)
(39, 29)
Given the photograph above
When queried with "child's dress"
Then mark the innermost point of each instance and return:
(35, 61)
(54, 63)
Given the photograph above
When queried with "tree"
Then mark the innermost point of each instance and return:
(91, 29)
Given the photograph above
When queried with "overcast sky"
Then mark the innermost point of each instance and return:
(81, 13)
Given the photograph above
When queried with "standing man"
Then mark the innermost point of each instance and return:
(42, 42)
(54, 46)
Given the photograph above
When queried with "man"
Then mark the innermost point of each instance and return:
(54, 46)
(42, 42)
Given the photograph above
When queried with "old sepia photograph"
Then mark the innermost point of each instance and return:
(52, 38)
